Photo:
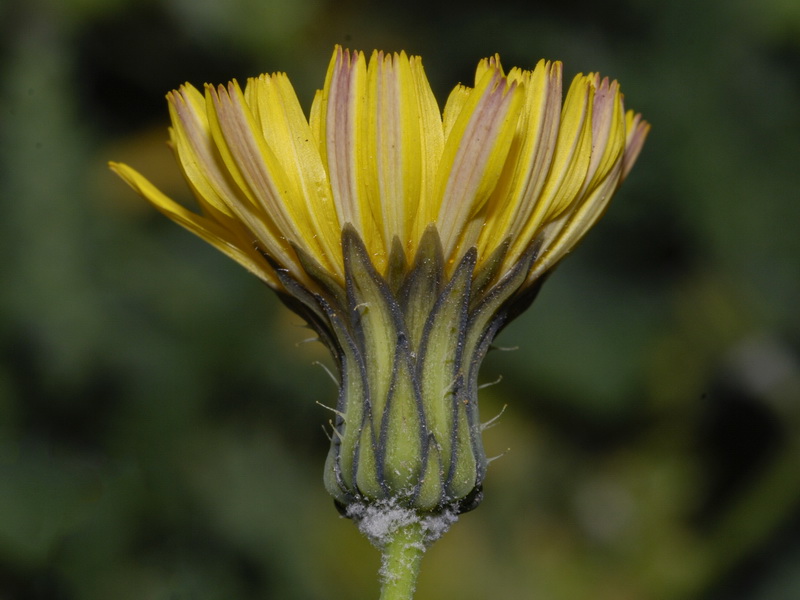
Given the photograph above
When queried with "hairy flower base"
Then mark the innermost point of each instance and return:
(402, 535)
(408, 345)
(380, 522)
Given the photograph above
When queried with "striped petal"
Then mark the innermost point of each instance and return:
(530, 156)
(568, 165)
(197, 155)
(286, 132)
(342, 125)
(404, 133)
(473, 156)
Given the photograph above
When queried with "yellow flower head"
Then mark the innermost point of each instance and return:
(406, 237)
(504, 164)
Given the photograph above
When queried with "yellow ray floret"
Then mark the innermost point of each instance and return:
(506, 162)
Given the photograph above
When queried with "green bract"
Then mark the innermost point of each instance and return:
(408, 347)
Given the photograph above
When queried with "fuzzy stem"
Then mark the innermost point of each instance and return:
(402, 556)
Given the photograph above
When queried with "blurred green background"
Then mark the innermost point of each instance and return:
(158, 431)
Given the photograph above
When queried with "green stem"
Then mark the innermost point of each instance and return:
(402, 556)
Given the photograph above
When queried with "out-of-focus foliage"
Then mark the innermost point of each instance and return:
(159, 436)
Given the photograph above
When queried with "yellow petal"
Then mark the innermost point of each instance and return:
(287, 134)
(474, 154)
(488, 64)
(343, 126)
(205, 228)
(246, 158)
(201, 164)
(404, 137)
(529, 158)
(453, 107)
(569, 164)
(565, 232)
(608, 131)
(432, 141)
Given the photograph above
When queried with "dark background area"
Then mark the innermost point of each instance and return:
(159, 436)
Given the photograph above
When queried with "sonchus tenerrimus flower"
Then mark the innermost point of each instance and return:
(407, 238)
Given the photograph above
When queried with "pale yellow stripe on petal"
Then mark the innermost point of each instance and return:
(431, 147)
(316, 184)
(569, 164)
(258, 166)
(203, 167)
(608, 132)
(226, 218)
(399, 147)
(350, 166)
(346, 95)
(205, 228)
(201, 164)
(385, 143)
(369, 163)
(364, 103)
(603, 177)
(197, 156)
(287, 133)
(412, 154)
(545, 121)
(270, 228)
(571, 159)
(503, 204)
(529, 158)
(561, 236)
(428, 210)
(474, 154)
